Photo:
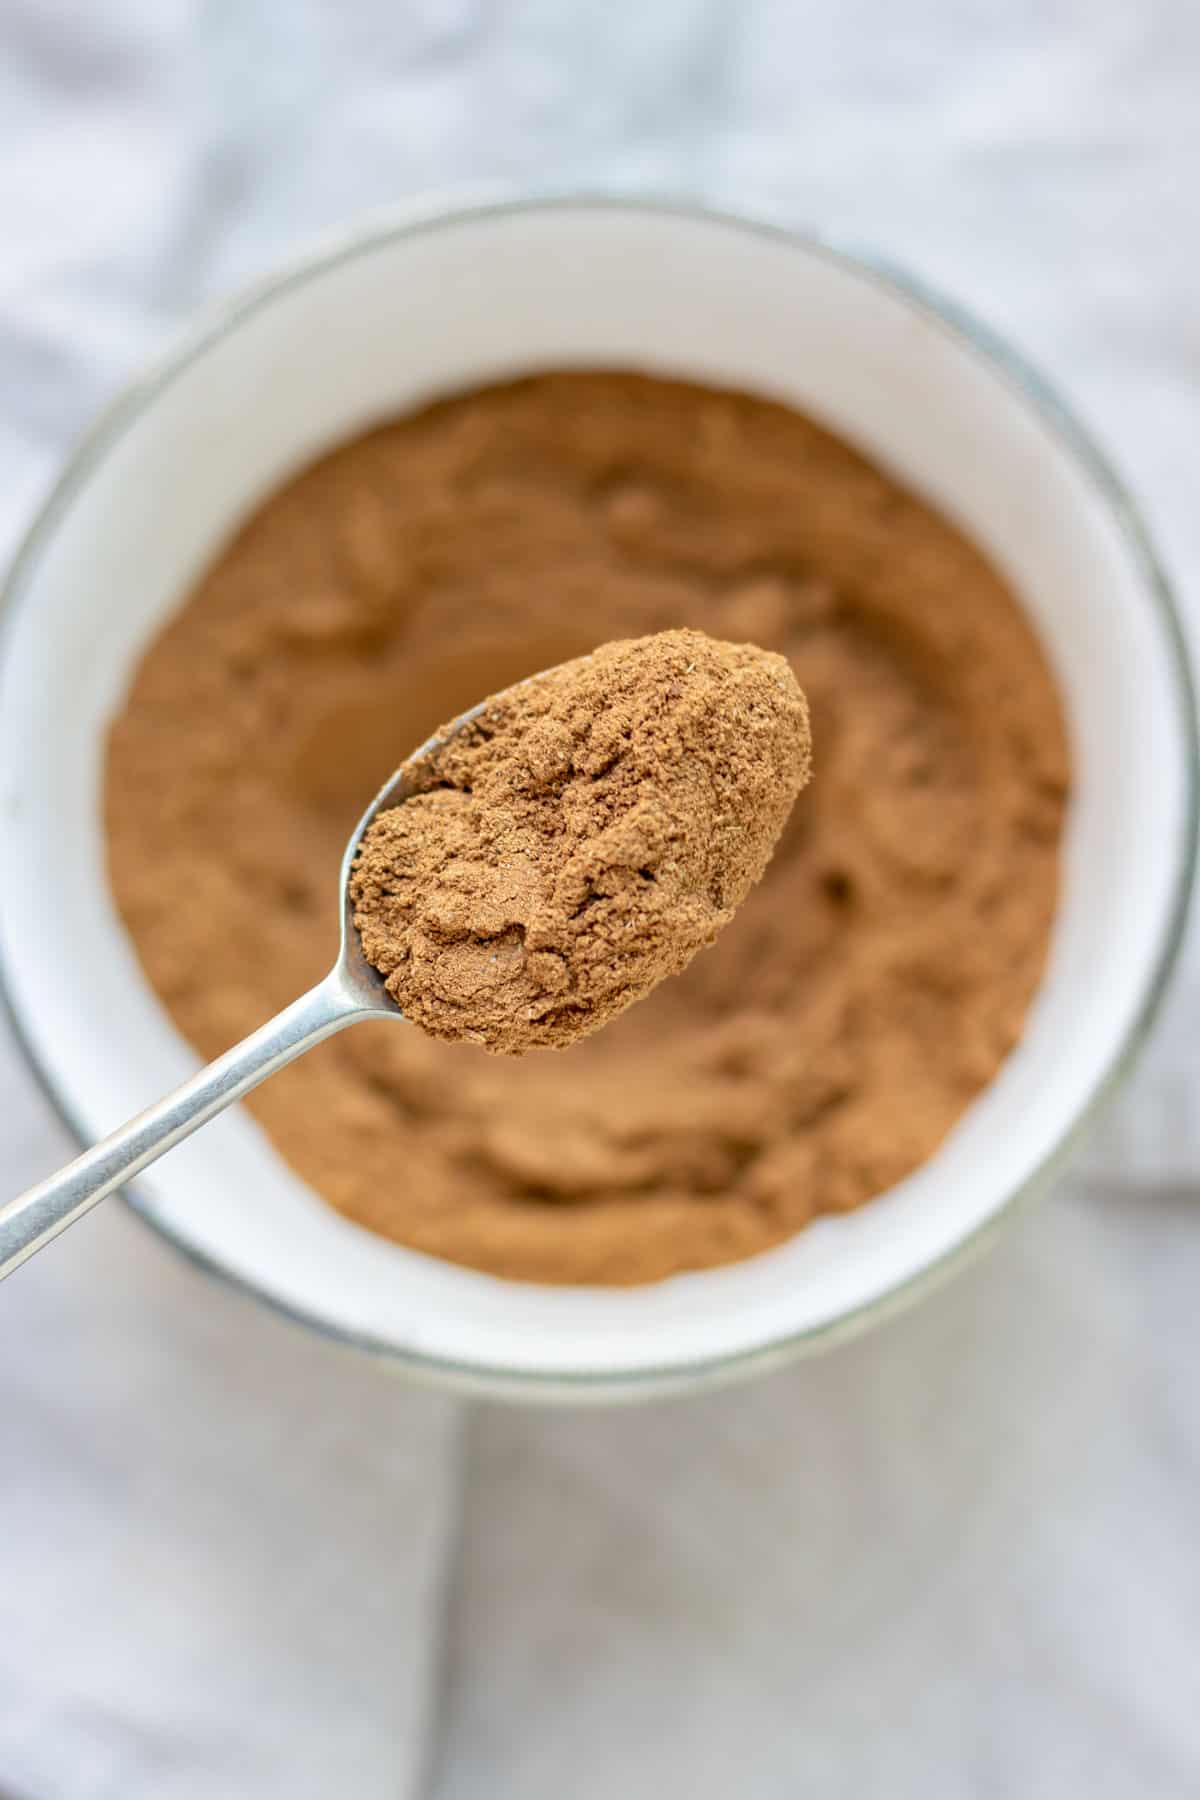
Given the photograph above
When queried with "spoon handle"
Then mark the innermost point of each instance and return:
(38, 1215)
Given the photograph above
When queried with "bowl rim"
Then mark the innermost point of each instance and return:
(376, 231)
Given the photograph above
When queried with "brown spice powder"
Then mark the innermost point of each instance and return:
(868, 988)
(582, 839)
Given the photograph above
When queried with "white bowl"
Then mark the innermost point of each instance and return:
(381, 322)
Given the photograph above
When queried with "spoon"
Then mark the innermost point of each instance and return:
(352, 990)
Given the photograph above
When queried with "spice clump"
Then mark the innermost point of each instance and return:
(581, 839)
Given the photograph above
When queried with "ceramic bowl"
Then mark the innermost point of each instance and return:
(391, 316)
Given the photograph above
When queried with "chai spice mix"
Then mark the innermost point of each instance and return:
(868, 987)
(581, 839)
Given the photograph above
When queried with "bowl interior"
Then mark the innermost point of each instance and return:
(387, 323)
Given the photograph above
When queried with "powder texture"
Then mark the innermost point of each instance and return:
(869, 986)
(582, 839)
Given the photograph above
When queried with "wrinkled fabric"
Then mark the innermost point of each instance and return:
(953, 1558)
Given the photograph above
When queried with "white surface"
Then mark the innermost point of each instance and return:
(477, 298)
(951, 1559)
(223, 1542)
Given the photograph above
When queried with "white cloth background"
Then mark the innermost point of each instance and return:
(957, 1557)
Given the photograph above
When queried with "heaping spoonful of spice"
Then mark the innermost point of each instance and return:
(536, 867)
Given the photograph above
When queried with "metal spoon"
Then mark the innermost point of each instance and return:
(352, 990)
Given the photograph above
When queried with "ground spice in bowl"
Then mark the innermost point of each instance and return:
(581, 839)
(867, 990)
